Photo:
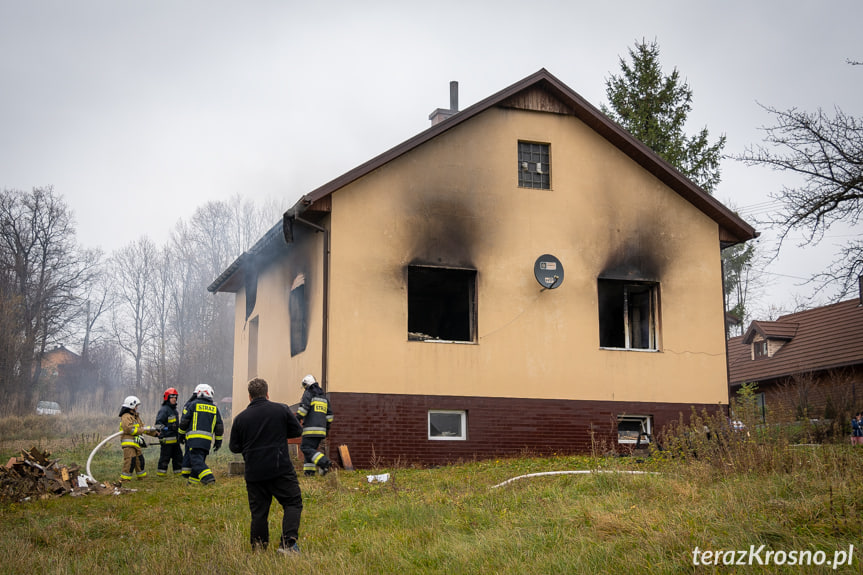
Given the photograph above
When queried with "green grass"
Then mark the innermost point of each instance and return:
(450, 519)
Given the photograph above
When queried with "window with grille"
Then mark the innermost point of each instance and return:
(534, 165)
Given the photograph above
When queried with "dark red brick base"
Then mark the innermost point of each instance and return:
(392, 429)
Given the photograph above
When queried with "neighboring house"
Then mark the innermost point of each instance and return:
(59, 375)
(805, 364)
(524, 275)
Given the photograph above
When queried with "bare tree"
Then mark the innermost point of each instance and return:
(42, 275)
(132, 319)
(828, 153)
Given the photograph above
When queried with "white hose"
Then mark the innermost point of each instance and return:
(579, 472)
(92, 453)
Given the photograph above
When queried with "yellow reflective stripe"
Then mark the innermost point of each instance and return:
(317, 457)
(204, 473)
(129, 443)
(302, 410)
(314, 431)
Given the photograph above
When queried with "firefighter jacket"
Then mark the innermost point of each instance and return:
(261, 433)
(201, 424)
(314, 410)
(133, 430)
(169, 420)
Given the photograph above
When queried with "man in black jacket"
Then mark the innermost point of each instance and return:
(260, 432)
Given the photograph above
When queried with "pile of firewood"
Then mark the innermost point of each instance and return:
(34, 475)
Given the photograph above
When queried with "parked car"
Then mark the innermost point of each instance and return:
(48, 408)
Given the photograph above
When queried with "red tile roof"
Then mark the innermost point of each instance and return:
(817, 339)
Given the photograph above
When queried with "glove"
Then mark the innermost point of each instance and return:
(150, 430)
(216, 445)
(139, 439)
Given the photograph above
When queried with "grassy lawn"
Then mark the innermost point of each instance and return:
(451, 519)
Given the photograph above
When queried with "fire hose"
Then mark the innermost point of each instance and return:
(92, 453)
(579, 472)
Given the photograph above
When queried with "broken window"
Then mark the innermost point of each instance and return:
(447, 425)
(627, 314)
(534, 166)
(441, 304)
(634, 429)
(297, 310)
(253, 348)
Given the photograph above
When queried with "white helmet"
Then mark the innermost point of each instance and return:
(204, 391)
(308, 380)
(131, 402)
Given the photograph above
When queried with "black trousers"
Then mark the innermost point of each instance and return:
(170, 453)
(312, 457)
(286, 490)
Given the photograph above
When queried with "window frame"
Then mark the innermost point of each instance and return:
(471, 307)
(628, 287)
(462, 425)
(297, 316)
(543, 182)
(760, 349)
(254, 345)
(646, 430)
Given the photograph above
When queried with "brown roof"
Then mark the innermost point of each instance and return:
(732, 229)
(770, 330)
(817, 339)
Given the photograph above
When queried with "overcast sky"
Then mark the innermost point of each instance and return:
(139, 112)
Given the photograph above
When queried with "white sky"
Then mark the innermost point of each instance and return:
(139, 112)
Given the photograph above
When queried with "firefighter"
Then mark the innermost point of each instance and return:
(316, 416)
(132, 439)
(168, 422)
(200, 427)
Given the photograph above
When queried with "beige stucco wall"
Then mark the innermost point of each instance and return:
(275, 364)
(455, 202)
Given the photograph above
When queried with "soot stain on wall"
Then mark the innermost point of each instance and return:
(639, 257)
(443, 232)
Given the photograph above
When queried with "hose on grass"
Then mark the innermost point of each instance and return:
(92, 453)
(578, 472)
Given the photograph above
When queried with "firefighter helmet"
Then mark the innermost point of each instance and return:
(309, 380)
(171, 391)
(131, 402)
(204, 391)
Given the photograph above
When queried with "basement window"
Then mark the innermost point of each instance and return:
(297, 311)
(634, 429)
(534, 165)
(441, 304)
(447, 425)
(627, 314)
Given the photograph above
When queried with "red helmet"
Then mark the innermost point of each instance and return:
(169, 392)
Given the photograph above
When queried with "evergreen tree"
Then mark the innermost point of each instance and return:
(654, 107)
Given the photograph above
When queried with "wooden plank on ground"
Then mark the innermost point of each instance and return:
(346, 458)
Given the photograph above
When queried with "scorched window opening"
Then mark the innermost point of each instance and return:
(441, 304)
(627, 314)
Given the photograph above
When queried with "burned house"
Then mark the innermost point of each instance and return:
(522, 275)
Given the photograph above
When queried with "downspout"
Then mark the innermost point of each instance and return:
(294, 215)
